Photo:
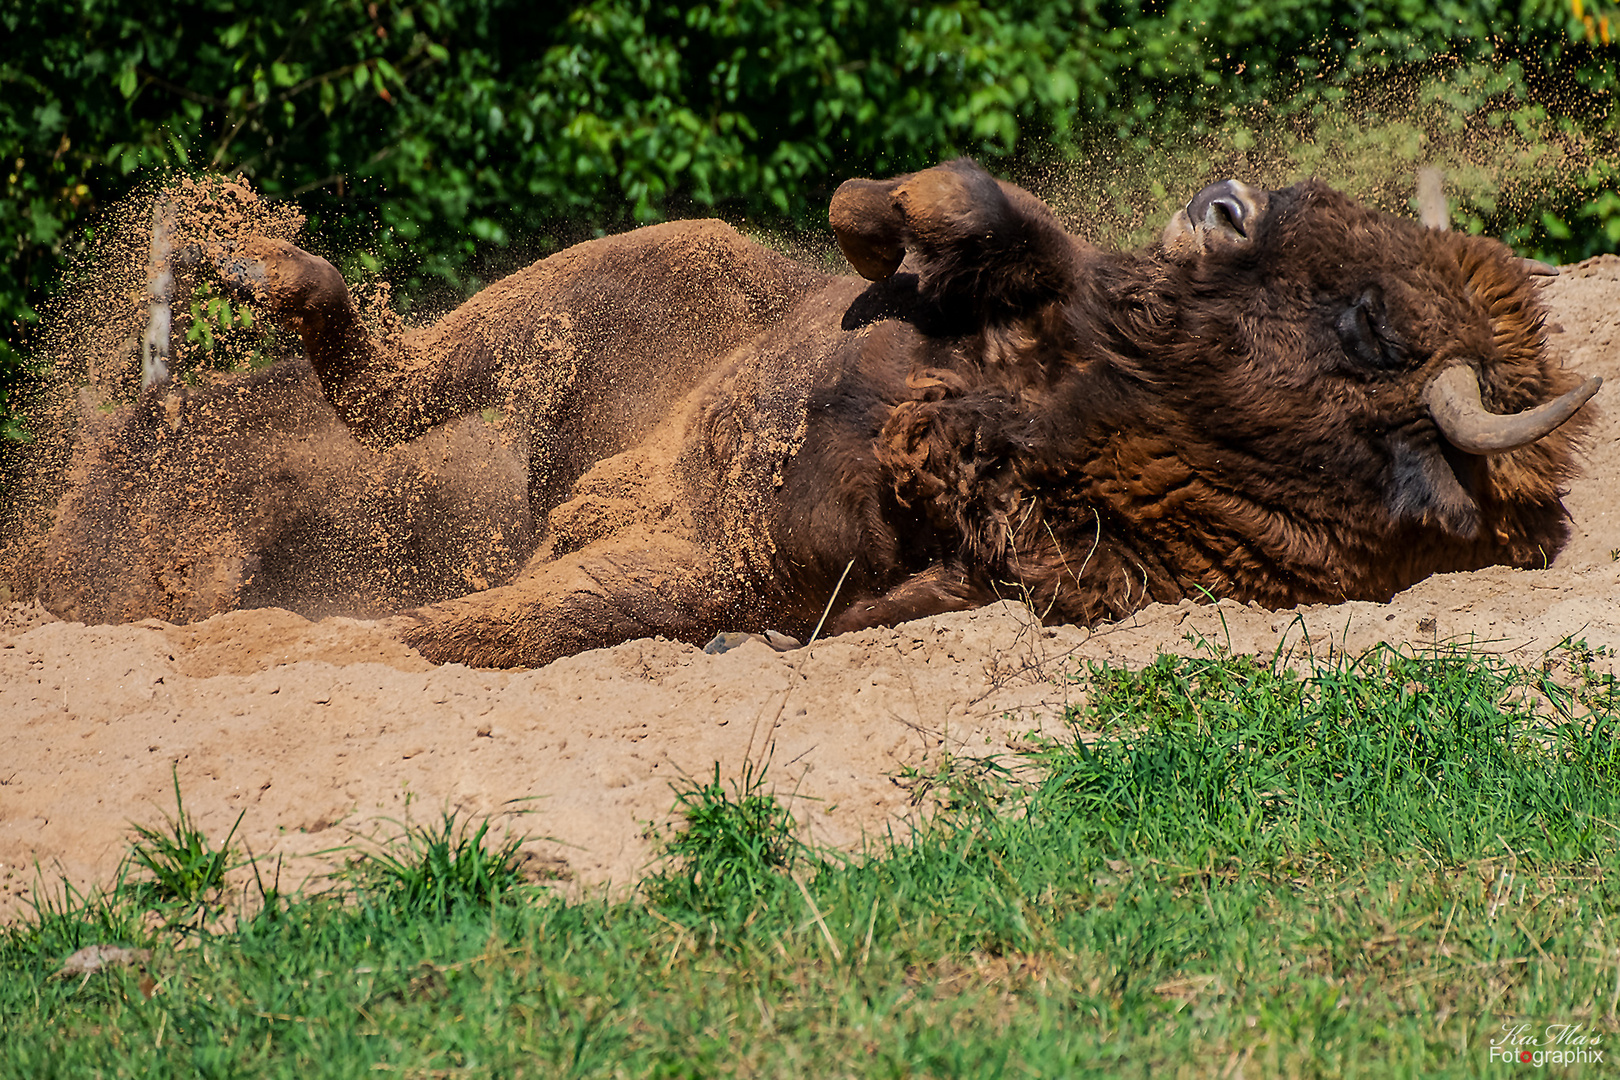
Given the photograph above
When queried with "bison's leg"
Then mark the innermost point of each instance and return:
(381, 391)
(384, 395)
(587, 349)
(978, 242)
(283, 279)
(935, 591)
(614, 590)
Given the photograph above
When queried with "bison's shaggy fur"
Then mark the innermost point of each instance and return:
(1001, 410)
(1024, 415)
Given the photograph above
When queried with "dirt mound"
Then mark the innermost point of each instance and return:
(325, 730)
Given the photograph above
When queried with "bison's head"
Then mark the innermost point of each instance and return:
(1291, 397)
(1386, 380)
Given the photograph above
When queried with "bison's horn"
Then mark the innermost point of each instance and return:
(1454, 402)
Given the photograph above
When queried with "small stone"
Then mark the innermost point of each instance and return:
(93, 958)
(781, 642)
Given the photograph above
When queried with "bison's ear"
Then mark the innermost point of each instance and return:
(1223, 216)
(979, 243)
(1424, 490)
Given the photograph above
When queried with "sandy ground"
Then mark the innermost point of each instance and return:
(331, 731)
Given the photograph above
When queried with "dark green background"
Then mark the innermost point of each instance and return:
(441, 142)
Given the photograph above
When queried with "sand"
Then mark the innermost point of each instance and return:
(321, 734)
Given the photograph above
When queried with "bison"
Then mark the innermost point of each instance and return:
(1290, 398)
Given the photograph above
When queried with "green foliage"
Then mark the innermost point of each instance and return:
(212, 317)
(185, 875)
(430, 871)
(1241, 760)
(441, 141)
(733, 853)
(452, 126)
(223, 335)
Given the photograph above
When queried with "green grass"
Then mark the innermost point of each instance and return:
(430, 872)
(1364, 869)
(181, 876)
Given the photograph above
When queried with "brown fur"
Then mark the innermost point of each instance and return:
(1004, 411)
(1086, 430)
(1196, 428)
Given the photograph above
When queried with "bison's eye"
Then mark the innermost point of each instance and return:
(1366, 336)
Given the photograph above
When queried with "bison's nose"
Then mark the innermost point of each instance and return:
(1230, 207)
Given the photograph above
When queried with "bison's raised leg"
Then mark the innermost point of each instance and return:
(617, 589)
(980, 243)
(307, 292)
(384, 393)
(280, 278)
(584, 351)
